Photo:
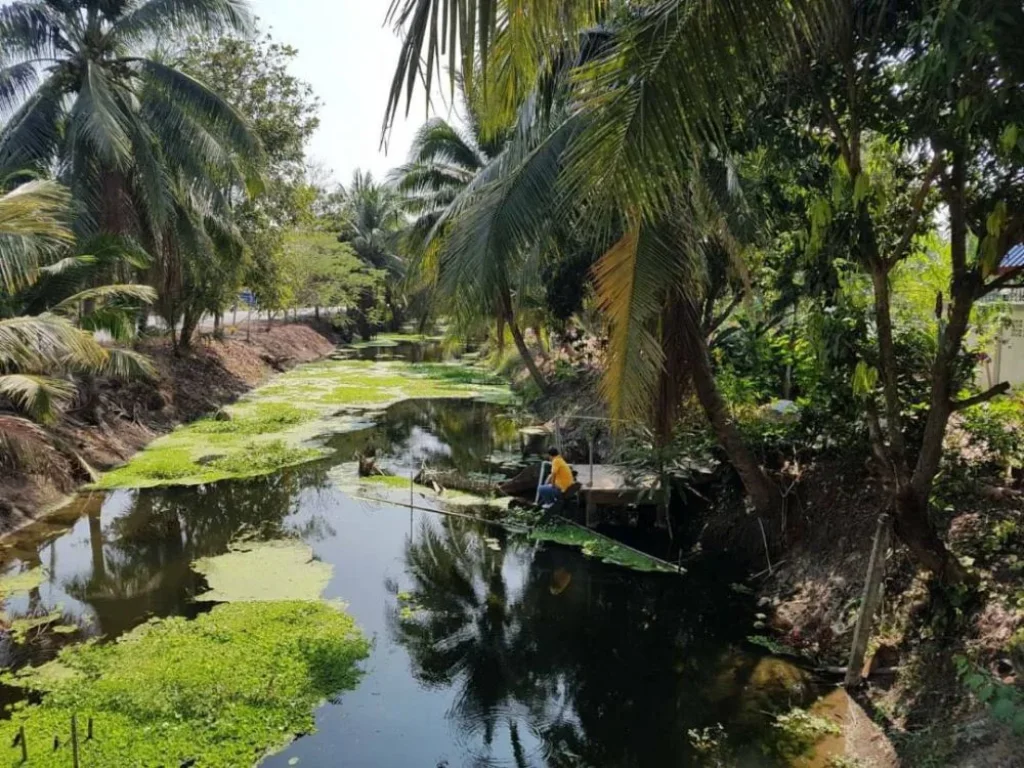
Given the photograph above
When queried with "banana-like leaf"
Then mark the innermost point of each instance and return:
(40, 397)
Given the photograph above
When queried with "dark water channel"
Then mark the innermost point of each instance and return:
(520, 655)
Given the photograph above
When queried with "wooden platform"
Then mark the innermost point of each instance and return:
(606, 484)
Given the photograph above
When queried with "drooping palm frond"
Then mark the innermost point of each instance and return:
(496, 221)
(39, 397)
(139, 294)
(47, 343)
(649, 267)
(158, 18)
(128, 365)
(671, 76)
(33, 227)
(463, 32)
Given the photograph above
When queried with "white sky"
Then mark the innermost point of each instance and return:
(348, 56)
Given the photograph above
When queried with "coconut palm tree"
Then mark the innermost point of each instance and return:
(662, 100)
(41, 353)
(640, 111)
(84, 93)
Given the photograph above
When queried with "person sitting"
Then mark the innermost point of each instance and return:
(559, 481)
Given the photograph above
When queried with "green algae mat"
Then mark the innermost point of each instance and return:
(224, 689)
(263, 571)
(277, 425)
(218, 691)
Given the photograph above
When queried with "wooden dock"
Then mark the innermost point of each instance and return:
(608, 485)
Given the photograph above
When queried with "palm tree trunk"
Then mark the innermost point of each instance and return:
(762, 491)
(517, 336)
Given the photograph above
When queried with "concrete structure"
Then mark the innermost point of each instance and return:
(1006, 358)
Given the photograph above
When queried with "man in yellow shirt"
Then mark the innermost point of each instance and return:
(559, 481)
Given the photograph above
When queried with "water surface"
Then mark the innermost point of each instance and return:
(489, 650)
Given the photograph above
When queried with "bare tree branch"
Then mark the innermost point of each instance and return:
(916, 206)
(984, 397)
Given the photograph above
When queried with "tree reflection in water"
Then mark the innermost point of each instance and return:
(141, 561)
(554, 659)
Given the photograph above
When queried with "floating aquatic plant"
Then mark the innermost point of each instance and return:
(218, 691)
(265, 431)
(600, 547)
(254, 571)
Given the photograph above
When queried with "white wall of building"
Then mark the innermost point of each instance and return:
(1006, 361)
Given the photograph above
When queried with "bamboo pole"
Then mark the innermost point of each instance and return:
(869, 604)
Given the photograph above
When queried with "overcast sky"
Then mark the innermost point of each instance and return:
(348, 56)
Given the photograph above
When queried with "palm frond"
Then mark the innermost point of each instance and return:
(98, 121)
(206, 106)
(142, 294)
(33, 226)
(39, 397)
(670, 79)
(47, 343)
(127, 365)
(28, 30)
(17, 83)
(463, 31)
(30, 137)
(500, 216)
(633, 282)
(155, 19)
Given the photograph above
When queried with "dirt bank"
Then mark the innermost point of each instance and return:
(810, 602)
(113, 420)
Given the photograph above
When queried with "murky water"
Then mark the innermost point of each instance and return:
(516, 654)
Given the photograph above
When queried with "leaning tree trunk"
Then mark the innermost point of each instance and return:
(517, 336)
(762, 491)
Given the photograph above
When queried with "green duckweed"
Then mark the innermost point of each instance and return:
(262, 571)
(265, 431)
(219, 691)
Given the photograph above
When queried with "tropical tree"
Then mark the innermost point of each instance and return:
(42, 354)
(83, 91)
(372, 223)
(937, 82)
(442, 163)
(252, 73)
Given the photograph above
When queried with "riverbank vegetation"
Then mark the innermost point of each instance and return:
(775, 278)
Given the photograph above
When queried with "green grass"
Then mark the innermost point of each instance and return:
(220, 691)
(600, 547)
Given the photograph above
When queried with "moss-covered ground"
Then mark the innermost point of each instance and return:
(272, 427)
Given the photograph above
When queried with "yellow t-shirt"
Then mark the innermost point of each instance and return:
(561, 474)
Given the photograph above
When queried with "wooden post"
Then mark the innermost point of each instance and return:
(74, 741)
(24, 746)
(869, 604)
(590, 446)
(88, 736)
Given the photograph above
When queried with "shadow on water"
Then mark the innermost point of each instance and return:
(489, 650)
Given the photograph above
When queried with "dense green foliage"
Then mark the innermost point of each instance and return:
(219, 690)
